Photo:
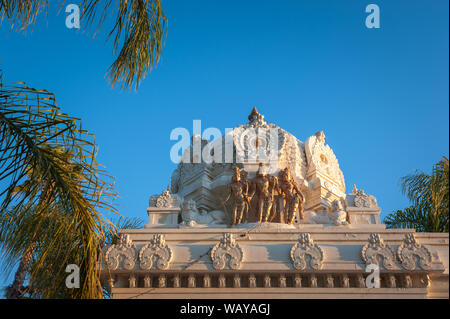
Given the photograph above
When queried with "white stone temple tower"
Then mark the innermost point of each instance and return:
(189, 249)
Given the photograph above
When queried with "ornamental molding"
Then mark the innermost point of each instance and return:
(227, 247)
(306, 246)
(363, 200)
(374, 249)
(412, 255)
(164, 200)
(321, 158)
(122, 255)
(155, 254)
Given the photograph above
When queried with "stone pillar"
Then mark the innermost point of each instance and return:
(162, 217)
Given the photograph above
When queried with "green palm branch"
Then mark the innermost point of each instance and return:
(54, 192)
(429, 195)
(138, 32)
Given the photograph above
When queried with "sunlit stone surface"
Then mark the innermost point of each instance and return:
(189, 247)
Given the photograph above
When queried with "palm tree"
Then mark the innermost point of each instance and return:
(49, 282)
(139, 30)
(429, 195)
(50, 211)
(42, 187)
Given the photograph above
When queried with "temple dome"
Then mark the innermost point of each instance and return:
(313, 163)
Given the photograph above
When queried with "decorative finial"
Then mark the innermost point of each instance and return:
(253, 114)
(256, 118)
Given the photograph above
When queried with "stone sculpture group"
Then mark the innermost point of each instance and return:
(274, 199)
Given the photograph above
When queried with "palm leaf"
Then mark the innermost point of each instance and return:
(68, 192)
(429, 195)
(138, 31)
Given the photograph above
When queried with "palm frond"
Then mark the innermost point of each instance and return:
(121, 223)
(138, 32)
(429, 196)
(69, 188)
(22, 13)
(411, 217)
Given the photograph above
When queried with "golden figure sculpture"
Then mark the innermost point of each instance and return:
(275, 210)
(237, 191)
(244, 175)
(263, 186)
(293, 198)
(274, 199)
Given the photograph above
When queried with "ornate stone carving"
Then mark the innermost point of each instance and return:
(411, 254)
(267, 281)
(255, 118)
(313, 281)
(156, 253)
(237, 281)
(282, 281)
(222, 282)
(306, 246)
(298, 281)
(391, 281)
(260, 141)
(121, 255)
(227, 247)
(292, 197)
(425, 281)
(408, 281)
(376, 248)
(132, 281)
(164, 200)
(162, 281)
(338, 215)
(360, 281)
(191, 281)
(362, 199)
(252, 281)
(321, 158)
(237, 192)
(345, 281)
(263, 185)
(176, 281)
(192, 217)
(206, 281)
(330, 281)
(335, 215)
(147, 281)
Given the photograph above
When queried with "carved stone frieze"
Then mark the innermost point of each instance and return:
(192, 217)
(156, 253)
(322, 159)
(374, 249)
(412, 255)
(363, 200)
(304, 247)
(206, 281)
(121, 255)
(252, 281)
(227, 247)
(164, 200)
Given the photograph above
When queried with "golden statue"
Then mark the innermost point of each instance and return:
(238, 190)
(275, 210)
(263, 186)
(293, 198)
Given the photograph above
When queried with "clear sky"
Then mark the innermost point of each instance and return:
(380, 95)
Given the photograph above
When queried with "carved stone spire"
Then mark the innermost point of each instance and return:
(255, 117)
(253, 114)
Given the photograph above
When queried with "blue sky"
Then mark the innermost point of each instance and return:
(380, 95)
